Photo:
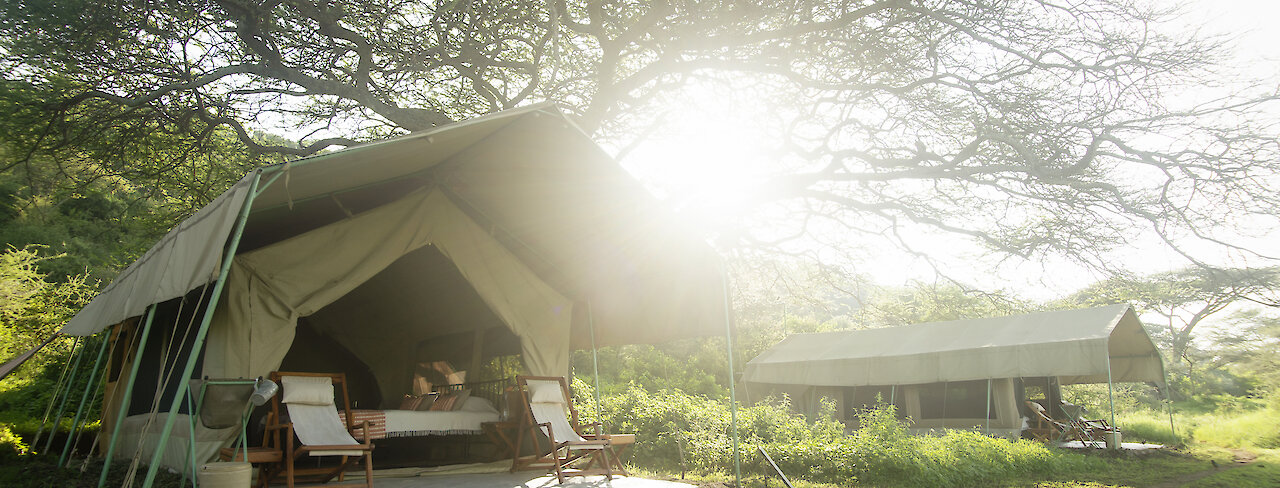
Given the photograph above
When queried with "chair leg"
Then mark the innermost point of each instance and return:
(368, 470)
(555, 454)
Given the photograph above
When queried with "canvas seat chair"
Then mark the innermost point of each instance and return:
(558, 441)
(309, 427)
(1095, 429)
(1045, 428)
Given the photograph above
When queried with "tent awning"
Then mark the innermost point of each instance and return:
(536, 182)
(1075, 345)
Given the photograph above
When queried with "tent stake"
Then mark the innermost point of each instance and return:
(84, 398)
(733, 396)
(123, 411)
(57, 419)
(198, 343)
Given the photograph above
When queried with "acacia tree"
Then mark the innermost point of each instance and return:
(1185, 298)
(1032, 127)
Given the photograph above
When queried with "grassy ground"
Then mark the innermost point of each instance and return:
(1186, 467)
(37, 471)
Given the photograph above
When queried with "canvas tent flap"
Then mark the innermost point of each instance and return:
(187, 257)
(1074, 345)
(268, 289)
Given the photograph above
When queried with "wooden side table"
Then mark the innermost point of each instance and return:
(502, 434)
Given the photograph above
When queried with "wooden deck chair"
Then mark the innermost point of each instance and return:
(1045, 428)
(1096, 430)
(308, 426)
(557, 439)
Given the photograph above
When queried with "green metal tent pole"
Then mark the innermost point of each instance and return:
(733, 395)
(84, 398)
(595, 363)
(198, 343)
(1168, 394)
(987, 429)
(54, 398)
(1111, 400)
(128, 395)
(57, 419)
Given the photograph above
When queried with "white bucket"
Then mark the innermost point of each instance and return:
(1113, 439)
(225, 475)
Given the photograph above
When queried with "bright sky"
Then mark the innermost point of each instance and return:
(711, 153)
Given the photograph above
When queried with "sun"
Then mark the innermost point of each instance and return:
(709, 160)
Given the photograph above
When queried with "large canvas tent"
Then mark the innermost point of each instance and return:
(514, 225)
(970, 360)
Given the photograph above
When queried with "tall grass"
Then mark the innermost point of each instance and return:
(1225, 427)
(686, 432)
(1254, 429)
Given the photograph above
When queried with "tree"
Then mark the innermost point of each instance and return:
(1184, 299)
(1034, 128)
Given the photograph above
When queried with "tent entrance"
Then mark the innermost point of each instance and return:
(418, 309)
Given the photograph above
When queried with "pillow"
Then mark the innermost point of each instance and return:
(448, 402)
(477, 404)
(427, 402)
(460, 400)
(545, 392)
(307, 390)
(410, 402)
(444, 402)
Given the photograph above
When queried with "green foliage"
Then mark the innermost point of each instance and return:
(11, 446)
(691, 432)
(696, 367)
(931, 303)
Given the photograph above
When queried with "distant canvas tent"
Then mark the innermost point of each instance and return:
(979, 368)
(512, 232)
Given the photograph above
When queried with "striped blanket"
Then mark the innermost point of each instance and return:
(406, 423)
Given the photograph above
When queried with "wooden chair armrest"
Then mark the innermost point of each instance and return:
(364, 431)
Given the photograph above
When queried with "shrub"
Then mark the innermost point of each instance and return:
(679, 431)
(11, 446)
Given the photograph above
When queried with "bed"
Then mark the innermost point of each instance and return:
(478, 408)
(385, 424)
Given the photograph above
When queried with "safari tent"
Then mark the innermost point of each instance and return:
(510, 233)
(962, 374)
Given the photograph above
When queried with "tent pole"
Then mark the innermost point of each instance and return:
(198, 343)
(733, 396)
(987, 429)
(595, 362)
(893, 391)
(123, 411)
(1111, 400)
(57, 419)
(66, 366)
(1168, 397)
(84, 398)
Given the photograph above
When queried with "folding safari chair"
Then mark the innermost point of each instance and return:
(1045, 428)
(309, 426)
(557, 439)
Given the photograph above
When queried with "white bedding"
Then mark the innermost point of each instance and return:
(408, 423)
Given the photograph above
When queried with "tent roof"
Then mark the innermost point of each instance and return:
(540, 185)
(1075, 345)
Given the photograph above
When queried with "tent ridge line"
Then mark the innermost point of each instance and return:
(487, 118)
